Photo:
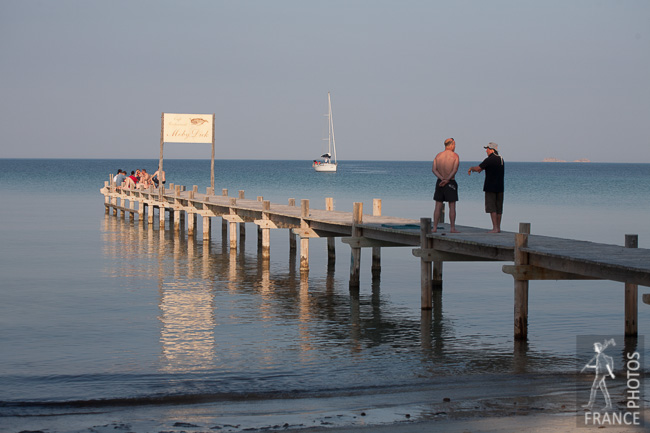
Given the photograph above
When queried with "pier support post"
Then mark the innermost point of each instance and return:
(224, 222)
(304, 241)
(436, 279)
(242, 226)
(631, 295)
(376, 251)
(150, 212)
(355, 254)
(107, 199)
(191, 216)
(177, 212)
(259, 228)
(426, 299)
(266, 232)
(521, 286)
(331, 241)
(233, 226)
(206, 228)
(292, 235)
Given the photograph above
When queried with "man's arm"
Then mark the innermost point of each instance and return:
(454, 169)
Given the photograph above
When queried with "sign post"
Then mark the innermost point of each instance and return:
(187, 128)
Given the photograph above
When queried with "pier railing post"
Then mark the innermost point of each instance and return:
(521, 286)
(304, 241)
(631, 295)
(426, 300)
(355, 254)
(376, 251)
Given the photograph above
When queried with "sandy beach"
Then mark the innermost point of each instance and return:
(536, 403)
(539, 423)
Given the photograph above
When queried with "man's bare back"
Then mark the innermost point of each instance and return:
(445, 165)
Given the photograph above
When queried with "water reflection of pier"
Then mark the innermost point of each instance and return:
(191, 277)
(210, 294)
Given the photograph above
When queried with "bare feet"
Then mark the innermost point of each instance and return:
(495, 231)
(453, 230)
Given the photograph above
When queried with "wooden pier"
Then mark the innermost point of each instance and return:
(533, 257)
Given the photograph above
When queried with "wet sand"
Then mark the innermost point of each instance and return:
(536, 403)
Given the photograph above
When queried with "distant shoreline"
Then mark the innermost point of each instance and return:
(562, 160)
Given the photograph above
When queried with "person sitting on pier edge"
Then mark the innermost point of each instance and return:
(131, 181)
(145, 179)
(445, 166)
(119, 178)
(493, 185)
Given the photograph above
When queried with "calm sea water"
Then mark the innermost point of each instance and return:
(98, 308)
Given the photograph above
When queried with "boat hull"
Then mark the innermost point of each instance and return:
(327, 167)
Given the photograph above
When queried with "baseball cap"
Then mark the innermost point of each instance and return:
(492, 146)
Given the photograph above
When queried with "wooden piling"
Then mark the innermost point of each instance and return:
(437, 265)
(177, 212)
(631, 296)
(266, 232)
(233, 226)
(521, 286)
(107, 200)
(161, 216)
(150, 213)
(331, 241)
(376, 251)
(206, 228)
(355, 254)
(426, 300)
(224, 222)
(191, 216)
(242, 226)
(304, 241)
(292, 235)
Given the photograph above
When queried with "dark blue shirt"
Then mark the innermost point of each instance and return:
(494, 173)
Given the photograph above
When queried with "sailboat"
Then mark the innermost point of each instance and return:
(326, 165)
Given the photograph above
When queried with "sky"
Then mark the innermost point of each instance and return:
(564, 79)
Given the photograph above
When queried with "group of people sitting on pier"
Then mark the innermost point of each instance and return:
(139, 179)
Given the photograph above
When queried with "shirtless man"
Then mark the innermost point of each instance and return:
(158, 176)
(445, 166)
(145, 179)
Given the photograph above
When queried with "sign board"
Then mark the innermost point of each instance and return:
(187, 128)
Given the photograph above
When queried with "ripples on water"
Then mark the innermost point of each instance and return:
(121, 311)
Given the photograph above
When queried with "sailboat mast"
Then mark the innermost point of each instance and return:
(331, 126)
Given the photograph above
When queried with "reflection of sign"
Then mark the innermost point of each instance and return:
(187, 128)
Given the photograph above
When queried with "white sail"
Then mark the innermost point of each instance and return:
(326, 165)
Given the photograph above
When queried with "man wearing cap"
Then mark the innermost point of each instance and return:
(445, 166)
(493, 185)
